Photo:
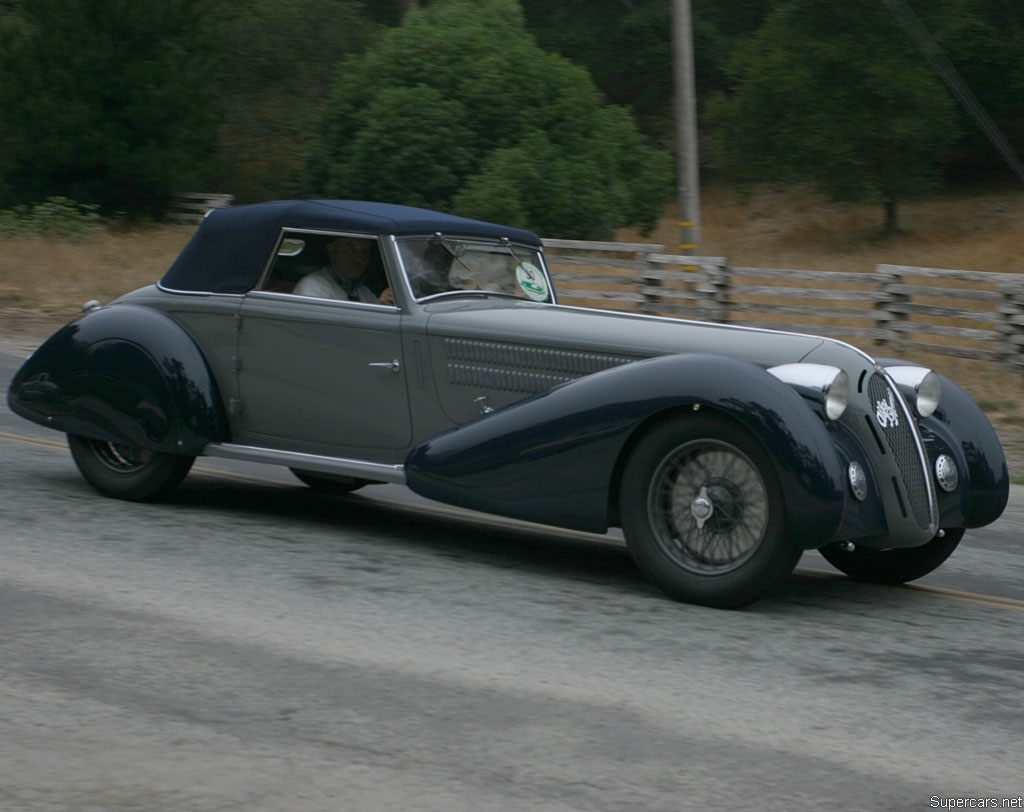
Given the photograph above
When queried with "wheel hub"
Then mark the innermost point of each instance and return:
(715, 507)
(702, 508)
(718, 503)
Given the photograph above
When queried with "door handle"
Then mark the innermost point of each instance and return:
(394, 366)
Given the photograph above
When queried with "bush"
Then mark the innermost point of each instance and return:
(55, 216)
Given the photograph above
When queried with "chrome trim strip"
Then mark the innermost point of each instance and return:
(376, 471)
(204, 293)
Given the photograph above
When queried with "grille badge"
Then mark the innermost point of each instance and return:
(886, 414)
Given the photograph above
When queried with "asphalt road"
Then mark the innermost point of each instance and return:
(254, 646)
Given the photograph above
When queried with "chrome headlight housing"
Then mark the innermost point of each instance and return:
(828, 384)
(920, 386)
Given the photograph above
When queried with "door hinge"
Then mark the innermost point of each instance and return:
(236, 363)
(235, 406)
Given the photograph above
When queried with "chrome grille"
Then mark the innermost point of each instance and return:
(519, 368)
(893, 419)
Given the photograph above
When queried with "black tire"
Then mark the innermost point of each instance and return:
(705, 464)
(893, 566)
(126, 472)
(329, 483)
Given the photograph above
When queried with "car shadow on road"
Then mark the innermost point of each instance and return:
(497, 542)
(370, 517)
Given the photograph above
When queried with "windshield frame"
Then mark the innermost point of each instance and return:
(452, 265)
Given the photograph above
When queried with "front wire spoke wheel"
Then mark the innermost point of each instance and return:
(703, 513)
(708, 477)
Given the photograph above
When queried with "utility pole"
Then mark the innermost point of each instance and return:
(686, 129)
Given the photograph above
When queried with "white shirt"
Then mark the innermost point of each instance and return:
(321, 284)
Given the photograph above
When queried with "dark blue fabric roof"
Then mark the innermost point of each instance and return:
(231, 247)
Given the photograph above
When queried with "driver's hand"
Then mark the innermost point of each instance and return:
(386, 297)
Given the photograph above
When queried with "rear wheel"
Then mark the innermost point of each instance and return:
(702, 509)
(126, 472)
(893, 566)
(329, 483)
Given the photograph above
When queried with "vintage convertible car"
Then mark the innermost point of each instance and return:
(448, 365)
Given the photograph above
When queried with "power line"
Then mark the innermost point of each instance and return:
(940, 62)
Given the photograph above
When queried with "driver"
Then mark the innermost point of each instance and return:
(344, 275)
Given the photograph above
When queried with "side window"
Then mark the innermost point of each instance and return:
(325, 266)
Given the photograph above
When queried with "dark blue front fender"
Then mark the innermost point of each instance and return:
(554, 458)
(960, 428)
(124, 374)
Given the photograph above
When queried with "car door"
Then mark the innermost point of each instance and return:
(320, 376)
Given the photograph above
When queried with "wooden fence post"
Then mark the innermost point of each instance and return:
(1012, 324)
(649, 282)
(889, 295)
(715, 286)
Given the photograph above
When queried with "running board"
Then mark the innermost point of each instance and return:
(360, 469)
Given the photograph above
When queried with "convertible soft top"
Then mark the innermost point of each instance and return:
(231, 247)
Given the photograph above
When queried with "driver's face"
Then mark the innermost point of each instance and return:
(350, 256)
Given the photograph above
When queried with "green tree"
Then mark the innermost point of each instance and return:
(627, 46)
(984, 40)
(836, 94)
(106, 101)
(460, 109)
(274, 63)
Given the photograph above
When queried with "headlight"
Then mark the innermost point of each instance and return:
(920, 386)
(830, 384)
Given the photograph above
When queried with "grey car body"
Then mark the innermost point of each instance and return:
(723, 452)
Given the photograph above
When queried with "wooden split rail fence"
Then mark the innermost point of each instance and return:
(899, 309)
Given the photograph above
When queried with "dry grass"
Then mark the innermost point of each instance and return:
(53, 278)
(801, 230)
(43, 282)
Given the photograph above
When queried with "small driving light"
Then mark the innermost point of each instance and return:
(858, 480)
(946, 473)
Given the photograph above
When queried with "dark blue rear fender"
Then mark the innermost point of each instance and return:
(554, 458)
(123, 374)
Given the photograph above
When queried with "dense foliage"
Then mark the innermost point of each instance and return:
(813, 91)
(852, 109)
(105, 101)
(464, 104)
(460, 109)
(274, 61)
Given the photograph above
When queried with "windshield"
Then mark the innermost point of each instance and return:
(439, 265)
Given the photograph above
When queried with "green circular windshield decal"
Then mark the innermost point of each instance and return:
(531, 281)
